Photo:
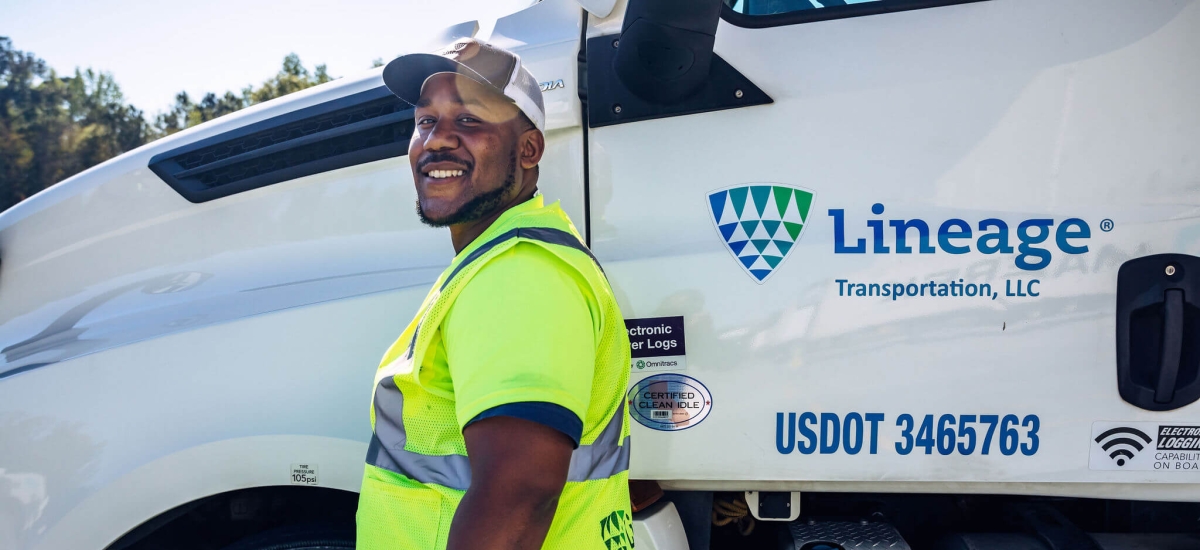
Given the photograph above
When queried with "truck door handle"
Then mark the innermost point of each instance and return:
(1158, 331)
(1172, 346)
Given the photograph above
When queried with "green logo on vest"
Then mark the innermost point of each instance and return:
(641, 364)
(616, 530)
(760, 223)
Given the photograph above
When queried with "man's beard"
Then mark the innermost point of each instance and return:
(479, 206)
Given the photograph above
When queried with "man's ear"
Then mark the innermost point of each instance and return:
(532, 144)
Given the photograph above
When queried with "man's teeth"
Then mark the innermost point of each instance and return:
(439, 174)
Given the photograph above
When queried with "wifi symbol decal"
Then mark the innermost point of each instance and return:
(1122, 443)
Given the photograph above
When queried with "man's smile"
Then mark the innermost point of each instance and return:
(444, 170)
(442, 174)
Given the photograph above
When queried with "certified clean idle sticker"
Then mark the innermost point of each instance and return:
(1146, 446)
(304, 474)
(656, 344)
(669, 402)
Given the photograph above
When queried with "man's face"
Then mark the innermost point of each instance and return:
(463, 151)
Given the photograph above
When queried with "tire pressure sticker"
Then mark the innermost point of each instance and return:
(656, 344)
(304, 474)
(669, 402)
(1145, 446)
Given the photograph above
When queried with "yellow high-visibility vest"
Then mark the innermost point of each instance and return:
(456, 360)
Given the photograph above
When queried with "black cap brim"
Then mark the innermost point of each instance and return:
(405, 75)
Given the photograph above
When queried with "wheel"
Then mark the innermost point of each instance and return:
(299, 537)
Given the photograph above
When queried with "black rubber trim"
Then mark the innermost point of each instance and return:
(833, 12)
(355, 129)
(581, 90)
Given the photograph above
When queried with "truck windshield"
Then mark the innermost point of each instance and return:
(769, 7)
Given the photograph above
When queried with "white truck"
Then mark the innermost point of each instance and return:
(902, 273)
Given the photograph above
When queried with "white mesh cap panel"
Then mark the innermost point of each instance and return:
(493, 67)
(523, 89)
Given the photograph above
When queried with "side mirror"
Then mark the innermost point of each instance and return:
(662, 65)
(599, 8)
(666, 47)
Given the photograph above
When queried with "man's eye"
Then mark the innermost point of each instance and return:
(468, 119)
(425, 120)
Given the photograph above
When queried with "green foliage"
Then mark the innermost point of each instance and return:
(293, 77)
(52, 126)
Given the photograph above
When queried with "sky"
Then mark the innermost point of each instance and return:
(156, 49)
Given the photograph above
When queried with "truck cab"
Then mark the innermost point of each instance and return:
(925, 271)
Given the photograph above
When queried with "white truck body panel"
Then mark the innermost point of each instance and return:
(1074, 109)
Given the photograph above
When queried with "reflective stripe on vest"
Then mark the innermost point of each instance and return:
(604, 458)
(607, 456)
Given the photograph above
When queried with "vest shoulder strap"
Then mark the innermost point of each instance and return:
(536, 234)
(542, 234)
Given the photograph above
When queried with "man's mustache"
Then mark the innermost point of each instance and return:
(436, 156)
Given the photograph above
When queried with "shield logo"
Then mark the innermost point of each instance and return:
(760, 223)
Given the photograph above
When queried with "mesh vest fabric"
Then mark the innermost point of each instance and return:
(417, 470)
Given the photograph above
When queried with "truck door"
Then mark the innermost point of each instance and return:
(902, 266)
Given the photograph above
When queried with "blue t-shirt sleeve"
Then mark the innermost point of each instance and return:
(547, 414)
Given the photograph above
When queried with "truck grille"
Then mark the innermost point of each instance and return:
(355, 129)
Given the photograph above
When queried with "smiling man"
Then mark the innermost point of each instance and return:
(498, 415)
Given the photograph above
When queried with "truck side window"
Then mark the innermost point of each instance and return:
(770, 7)
(772, 13)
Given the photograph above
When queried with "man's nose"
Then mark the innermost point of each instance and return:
(441, 137)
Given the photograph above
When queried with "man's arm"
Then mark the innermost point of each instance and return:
(518, 470)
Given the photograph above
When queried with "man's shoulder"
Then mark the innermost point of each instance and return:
(548, 216)
(525, 261)
(523, 285)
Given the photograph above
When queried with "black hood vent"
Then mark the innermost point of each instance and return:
(355, 129)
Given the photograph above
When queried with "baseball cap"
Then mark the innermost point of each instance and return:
(495, 68)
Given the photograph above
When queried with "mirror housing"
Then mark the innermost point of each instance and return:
(665, 49)
(598, 8)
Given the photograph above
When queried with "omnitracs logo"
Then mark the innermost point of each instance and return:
(1122, 443)
(957, 236)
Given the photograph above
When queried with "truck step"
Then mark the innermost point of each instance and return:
(816, 534)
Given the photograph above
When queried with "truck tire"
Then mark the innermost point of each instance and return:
(299, 537)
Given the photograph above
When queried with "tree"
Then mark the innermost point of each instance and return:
(53, 127)
(292, 77)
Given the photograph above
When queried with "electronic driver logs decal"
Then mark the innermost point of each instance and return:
(1145, 446)
(656, 344)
